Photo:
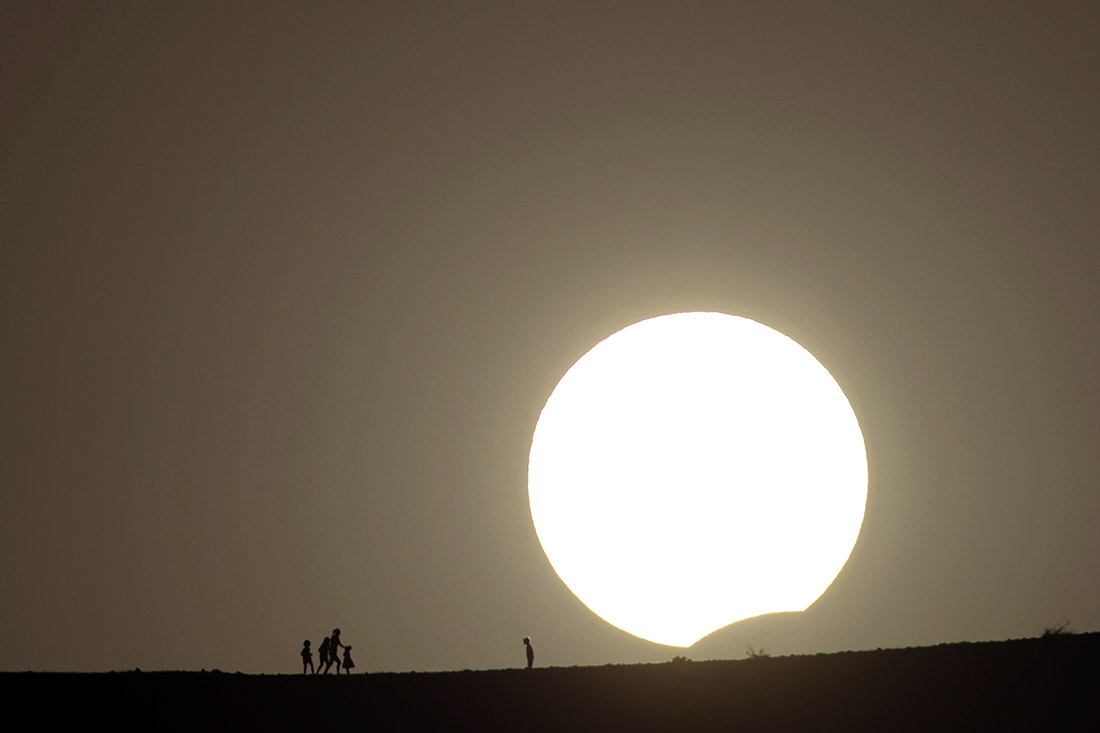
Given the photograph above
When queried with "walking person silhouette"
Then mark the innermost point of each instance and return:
(530, 652)
(334, 651)
(324, 661)
(307, 658)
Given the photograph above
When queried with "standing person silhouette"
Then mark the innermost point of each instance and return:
(348, 664)
(307, 658)
(530, 652)
(324, 662)
(334, 651)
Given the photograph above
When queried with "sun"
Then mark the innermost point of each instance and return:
(693, 470)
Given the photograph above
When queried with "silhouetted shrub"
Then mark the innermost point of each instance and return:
(753, 653)
(1062, 627)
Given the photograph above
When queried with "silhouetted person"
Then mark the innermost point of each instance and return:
(348, 664)
(334, 651)
(324, 661)
(307, 658)
(530, 652)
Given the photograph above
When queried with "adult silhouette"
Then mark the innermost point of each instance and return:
(530, 652)
(307, 658)
(334, 650)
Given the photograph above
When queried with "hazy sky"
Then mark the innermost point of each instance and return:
(284, 287)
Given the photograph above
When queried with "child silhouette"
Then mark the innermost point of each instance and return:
(307, 658)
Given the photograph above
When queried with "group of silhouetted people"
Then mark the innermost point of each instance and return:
(330, 654)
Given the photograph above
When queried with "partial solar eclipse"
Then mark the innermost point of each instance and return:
(693, 470)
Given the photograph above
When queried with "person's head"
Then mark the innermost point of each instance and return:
(347, 648)
(336, 632)
(306, 643)
(527, 640)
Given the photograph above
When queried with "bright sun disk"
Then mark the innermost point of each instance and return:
(693, 470)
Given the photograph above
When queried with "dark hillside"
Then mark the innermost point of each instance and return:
(1028, 684)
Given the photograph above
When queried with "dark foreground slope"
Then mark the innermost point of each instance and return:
(1029, 684)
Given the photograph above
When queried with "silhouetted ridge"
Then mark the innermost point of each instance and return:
(1027, 684)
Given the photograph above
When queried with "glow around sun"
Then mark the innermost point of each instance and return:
(693, 470)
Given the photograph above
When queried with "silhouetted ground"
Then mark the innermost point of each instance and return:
(1027, 684)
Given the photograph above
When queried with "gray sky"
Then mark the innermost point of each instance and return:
(283, 288)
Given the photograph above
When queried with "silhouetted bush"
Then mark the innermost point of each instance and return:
(753, 653)
(1062, 627)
